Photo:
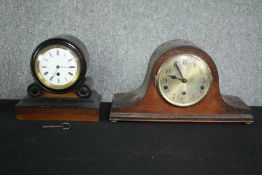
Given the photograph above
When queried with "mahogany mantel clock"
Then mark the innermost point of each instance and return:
(181, 85)
(61, 90)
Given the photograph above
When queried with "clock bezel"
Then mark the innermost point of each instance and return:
(157, 82)
(65, 43)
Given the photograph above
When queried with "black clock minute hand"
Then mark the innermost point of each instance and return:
(183, 79)
(67, 66)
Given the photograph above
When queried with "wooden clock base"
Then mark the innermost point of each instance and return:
(237, 112)
(66, 109)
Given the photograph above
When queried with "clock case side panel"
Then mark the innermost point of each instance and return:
(145, 103)
(73, 43)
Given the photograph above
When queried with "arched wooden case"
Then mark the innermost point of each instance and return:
(78, 103)
(146, 104)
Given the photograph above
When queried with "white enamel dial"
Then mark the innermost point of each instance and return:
(184, 80)
(57, 67)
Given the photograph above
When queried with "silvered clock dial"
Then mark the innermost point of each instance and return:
(183, 80)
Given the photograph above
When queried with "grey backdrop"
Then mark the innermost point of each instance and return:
(121, 35)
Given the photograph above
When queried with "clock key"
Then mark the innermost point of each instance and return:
(64, 126)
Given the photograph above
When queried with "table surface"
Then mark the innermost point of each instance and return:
(128, 147)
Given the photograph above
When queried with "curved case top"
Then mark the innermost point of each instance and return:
(127, 99)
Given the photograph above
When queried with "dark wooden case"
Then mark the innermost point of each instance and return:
(74, 44)
(43, 103)
(61, 107)
(146, 104)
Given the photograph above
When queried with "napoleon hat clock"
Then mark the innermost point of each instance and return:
(181, 85)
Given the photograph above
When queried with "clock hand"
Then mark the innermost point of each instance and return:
(183, 79)
(57, 67)
(175, 77)
(67, 66)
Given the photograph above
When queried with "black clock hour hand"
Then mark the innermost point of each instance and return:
(54, 74)
(175, 77)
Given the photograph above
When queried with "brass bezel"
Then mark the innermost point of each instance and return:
(40, 77)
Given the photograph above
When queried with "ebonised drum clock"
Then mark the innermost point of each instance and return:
(181, 85)
(61, 90)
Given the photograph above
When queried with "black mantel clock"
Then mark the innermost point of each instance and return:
(61, 90)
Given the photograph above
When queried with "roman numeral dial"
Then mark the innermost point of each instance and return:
(57, 66)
